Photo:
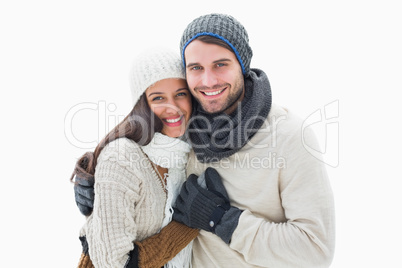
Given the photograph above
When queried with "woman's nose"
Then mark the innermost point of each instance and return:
(171, 107)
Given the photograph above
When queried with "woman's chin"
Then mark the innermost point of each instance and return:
(173, 133)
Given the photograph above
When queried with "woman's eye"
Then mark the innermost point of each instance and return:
(182, 94)
(156, 98)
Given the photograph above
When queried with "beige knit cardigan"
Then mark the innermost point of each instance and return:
(129, 205)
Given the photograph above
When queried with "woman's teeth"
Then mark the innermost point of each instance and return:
(173, 120)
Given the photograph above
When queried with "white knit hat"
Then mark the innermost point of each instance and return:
(152, 66)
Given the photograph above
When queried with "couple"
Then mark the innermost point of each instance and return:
(210, 196)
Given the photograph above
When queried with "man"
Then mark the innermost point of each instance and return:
(268, 202)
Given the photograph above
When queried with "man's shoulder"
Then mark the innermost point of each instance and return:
(287, 127)
(284, 120)
(278, 111)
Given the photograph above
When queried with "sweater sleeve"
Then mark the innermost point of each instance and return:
(306, 239)
(160, 248)
(111, 228)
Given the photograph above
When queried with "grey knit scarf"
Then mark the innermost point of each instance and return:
(217, 136)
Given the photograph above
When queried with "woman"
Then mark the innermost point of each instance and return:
(138, 170)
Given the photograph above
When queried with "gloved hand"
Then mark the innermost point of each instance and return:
(133, 259)
(207, 209)
(84, 194)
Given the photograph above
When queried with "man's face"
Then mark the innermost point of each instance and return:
(214, 76)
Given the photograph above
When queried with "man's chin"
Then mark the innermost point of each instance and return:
(212, 109)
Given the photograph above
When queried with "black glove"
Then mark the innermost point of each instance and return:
(84, 194)
(133, 261)
(207, 209)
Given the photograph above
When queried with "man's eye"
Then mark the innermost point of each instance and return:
(220, 64)
(196, 68)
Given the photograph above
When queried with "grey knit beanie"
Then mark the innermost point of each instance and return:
(151, 66)
(224, 27)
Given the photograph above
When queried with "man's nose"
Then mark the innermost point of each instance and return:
(209, 78)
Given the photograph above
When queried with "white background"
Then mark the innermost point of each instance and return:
(55, 55)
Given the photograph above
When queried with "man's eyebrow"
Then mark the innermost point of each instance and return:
(216, 61)
(223, 59)
(192, 64)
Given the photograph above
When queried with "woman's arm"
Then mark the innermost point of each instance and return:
(154, 251)
(157, 250)
(112, 228)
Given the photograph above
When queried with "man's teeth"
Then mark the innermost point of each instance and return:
(213, 93)
(173, 120)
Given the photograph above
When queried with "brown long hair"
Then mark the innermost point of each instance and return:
(132, 127)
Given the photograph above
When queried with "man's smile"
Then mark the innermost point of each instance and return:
(213, 93)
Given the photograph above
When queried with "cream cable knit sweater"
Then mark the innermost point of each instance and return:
(131, 203)
(289, 217)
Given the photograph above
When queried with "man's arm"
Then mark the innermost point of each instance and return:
(307, 238)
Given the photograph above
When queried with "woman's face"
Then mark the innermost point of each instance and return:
(170, 100)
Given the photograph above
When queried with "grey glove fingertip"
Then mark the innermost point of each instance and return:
(84, 209)
(88, 192)
(214, 182)
(82, 200)
(192, 179)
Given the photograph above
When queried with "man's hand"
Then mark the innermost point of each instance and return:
(84, 194)
(207, 209)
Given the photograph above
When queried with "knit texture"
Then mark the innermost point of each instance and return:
(129, 205)
(224, 27)
(171, 153)
(286, 198)
(195, 204)
(85, 261)
(152, 66)
(158, 249)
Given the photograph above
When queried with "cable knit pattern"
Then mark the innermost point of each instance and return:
(171, 153)
(129, 205)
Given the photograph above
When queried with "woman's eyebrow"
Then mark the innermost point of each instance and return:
(154, 93)
(159, 93)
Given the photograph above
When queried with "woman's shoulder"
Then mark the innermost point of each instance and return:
(123, 142)
(122, 161)
(123, 151)
(123, 146)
